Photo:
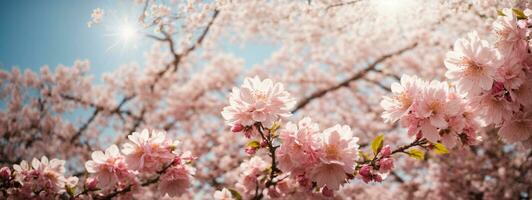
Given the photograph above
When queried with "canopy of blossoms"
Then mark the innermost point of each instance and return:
(364, 99)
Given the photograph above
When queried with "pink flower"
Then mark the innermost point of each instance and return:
(493, 108)
(258, 101)
(325, 191)
(386, 151)
(434, 107)
(386, 165)
(511, 32)
(223, 194)
(523, 94)
(91, 184)
(338, 150)
(108, 168)
(5, 173)
(43, 175)
(251, 170)
(176, 180)
(472, 63)
(449, 136)
(96, 17)
(511, 74)
(404, 95)
(298, 151)
(517, 129)
(148, 152)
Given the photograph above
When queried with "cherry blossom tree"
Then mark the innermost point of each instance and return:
(375, 99)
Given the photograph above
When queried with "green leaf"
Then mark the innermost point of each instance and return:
(500, 13)
(417, 154)
(377, 143)
(236, 194)
(439, 148)
(253, 144)
(364, 155)
(274, 128)
(70, 190)
(519, 13)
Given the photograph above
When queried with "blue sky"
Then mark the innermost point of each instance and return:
(36, 33)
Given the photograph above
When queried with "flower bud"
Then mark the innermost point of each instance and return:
(303, 181)
(377, 178)
(251, 150)
(386, 164)
(366, 179)
(419, 135)
(5, 173)
(237, 128)
(283, 187)
(365, 170)
(273, 193)
(327, 192)
(263, 143)
(92, 184)
(176, 161)
(386, 151)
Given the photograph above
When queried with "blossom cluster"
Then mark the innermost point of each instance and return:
(145, 156)
(96, 17)
(257, 101)
(496, 80)
(42, 179)
(146, 153)
(491, 84)
(431, 110)
(316, 159)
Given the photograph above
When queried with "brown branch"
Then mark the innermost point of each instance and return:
(341, 4)
(97, 110)
(130, 187)
(354, 77)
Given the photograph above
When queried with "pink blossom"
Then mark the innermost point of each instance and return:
(472, 63)
(147, 152)
(96, 17)
(386, 151)
(517, 129)
(493, 108)
(511, 74)
(511, 32)
(434, 107)
(251, 150)
(258, 101)
(325, 191)
(91, 184)
(523, 94)
(108, 167)
(176, 180)
(237, 128)
(298, 151)
(386, 165)
(5, 173)
(250, 171)
(449, 136)
(338, 150)
(43, 175)
(159, 10)
(404, 95)
(223, 194)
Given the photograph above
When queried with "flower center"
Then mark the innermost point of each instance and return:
(434, 107)
(259, 95)
(404, 99)
(331, 151)
(472, 67)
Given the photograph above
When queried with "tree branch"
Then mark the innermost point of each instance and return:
(354, 77)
